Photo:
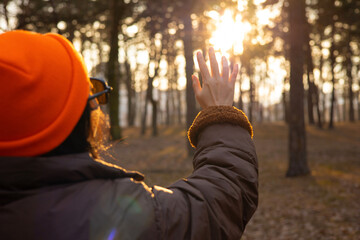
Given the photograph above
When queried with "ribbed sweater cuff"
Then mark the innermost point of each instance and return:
(215, 115)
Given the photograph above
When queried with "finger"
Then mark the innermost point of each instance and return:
(225, 69)
(234, 74)
(214, 64)
(196, 85)
(203, 67)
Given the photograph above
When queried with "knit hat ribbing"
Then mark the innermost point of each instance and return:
(44, 88)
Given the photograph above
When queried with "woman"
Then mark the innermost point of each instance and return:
(51, 187)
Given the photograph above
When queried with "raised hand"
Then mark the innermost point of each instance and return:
(218, 88)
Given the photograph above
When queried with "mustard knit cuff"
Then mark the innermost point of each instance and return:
(215, 115)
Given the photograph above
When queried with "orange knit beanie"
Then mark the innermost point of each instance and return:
(44, 88)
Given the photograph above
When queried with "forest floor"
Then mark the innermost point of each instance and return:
(323, 205)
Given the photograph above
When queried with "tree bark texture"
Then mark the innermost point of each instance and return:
(313, 94)
(310, 104)
(251, 96)
(297, 137)
(286, 104)
(322, 102)
(144, 115)
(167, 106)
(114, 101)
(149, 98)
(240, 104)
(190, 98)
(131, 95)
(357, 95)
(350, 83)
(5, 3)
(332, 62)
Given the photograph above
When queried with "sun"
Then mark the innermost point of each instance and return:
(230, 33)
(228, 38)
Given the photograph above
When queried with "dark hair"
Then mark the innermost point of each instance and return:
(77, 141)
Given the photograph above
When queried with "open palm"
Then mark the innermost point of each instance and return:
(218, 88)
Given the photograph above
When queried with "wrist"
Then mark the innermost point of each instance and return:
(217, 115)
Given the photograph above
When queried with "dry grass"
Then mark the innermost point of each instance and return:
(324, 205)
(321, 206)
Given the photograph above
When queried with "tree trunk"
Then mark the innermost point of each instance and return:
(144, 115)
(167, 106)
(248, 69)
(350, 83)
(130, 94)
(100, 67)
(310, 104)
(170, 101)
(154, 104)
(313, 93)
(149, 98)
(155, 56)
(357, 95)
(337, 111)
(332, 60)
(251, 97)
(5, 3)
(114, 101)
(324, 107)
(310, 76)
(240, 101)
(344, 106)
(285, 102)
(172, 105)
(317, 103)
(297, 138)
(177, 94)
(21, 22)
(179, 108)
(190, 98)
(321, 64)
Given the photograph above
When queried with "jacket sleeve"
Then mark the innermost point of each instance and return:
(218, 199)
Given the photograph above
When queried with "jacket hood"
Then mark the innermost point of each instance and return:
(24, 176)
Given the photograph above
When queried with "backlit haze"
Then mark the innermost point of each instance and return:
(232, 34)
